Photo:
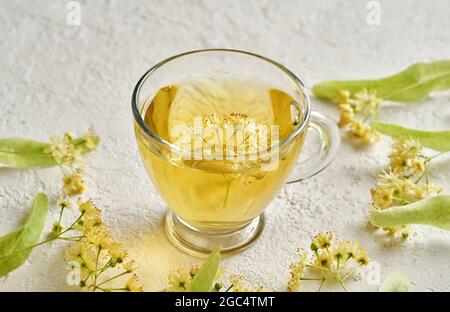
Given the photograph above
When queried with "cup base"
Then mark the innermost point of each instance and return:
(200, 243)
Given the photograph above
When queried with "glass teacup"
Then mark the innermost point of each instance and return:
(220, 132)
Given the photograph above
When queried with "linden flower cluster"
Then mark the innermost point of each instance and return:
(180, 279)
(93, 252)
(239, 136)
(241, 128)
(407, 158)
(227, 136)
(331, 260)
(69, 152)
(364, 103)
(238, 284)
(400, 185)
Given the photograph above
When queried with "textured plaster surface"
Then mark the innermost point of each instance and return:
(57, 78)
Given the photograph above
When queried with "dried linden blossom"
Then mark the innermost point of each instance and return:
(403, 183)
(365, 103)
(331, 260)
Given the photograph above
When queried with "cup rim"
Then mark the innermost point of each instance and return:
(297, 81)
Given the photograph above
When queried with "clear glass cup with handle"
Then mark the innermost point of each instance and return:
(218, 201)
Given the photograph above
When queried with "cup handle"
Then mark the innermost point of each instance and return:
(330, 139)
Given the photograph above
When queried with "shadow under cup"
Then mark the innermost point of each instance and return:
(219, 203)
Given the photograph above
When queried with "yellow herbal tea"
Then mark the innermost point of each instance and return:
(224, 177)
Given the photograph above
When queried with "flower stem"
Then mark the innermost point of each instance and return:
(96, 266)
(112, 289)
(60, 214)
(103, 269)
(313, 279)
(317, 267)
(336, 272)
(72, 238)
(227, 192)
(112, 278)
(348, 275)
(321, 284)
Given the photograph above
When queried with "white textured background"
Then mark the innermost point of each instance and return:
(57, 78)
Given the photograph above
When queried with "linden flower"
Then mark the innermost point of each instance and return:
(88, 208)
(64, 202)
(347, 114)
(56, 148)
(341, 252)
(395, 188)
(179, 280)
(82, 253)
(333, 261)
(194, 269)
(73, 252)
(363, 132)
(427, 190)
(96, 252)
(354, 249)
(235, 132)
(343, 96)
(117, 252)
(64, 150)
(399, 232)
(73, 184)
(406, 157)
(91, 140)
(129, 266)
(323, 260)
(88, 259)
(76, 161)
(61, 148)
(91, 216)
(133, 284)
(297, 269)
(98, 237)
(361, 257)
(239, 285)
(366, 102)
(396, 192)
(323, 240)
(382, 195)
(388, 177)
(392, 189)
(91, 221)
